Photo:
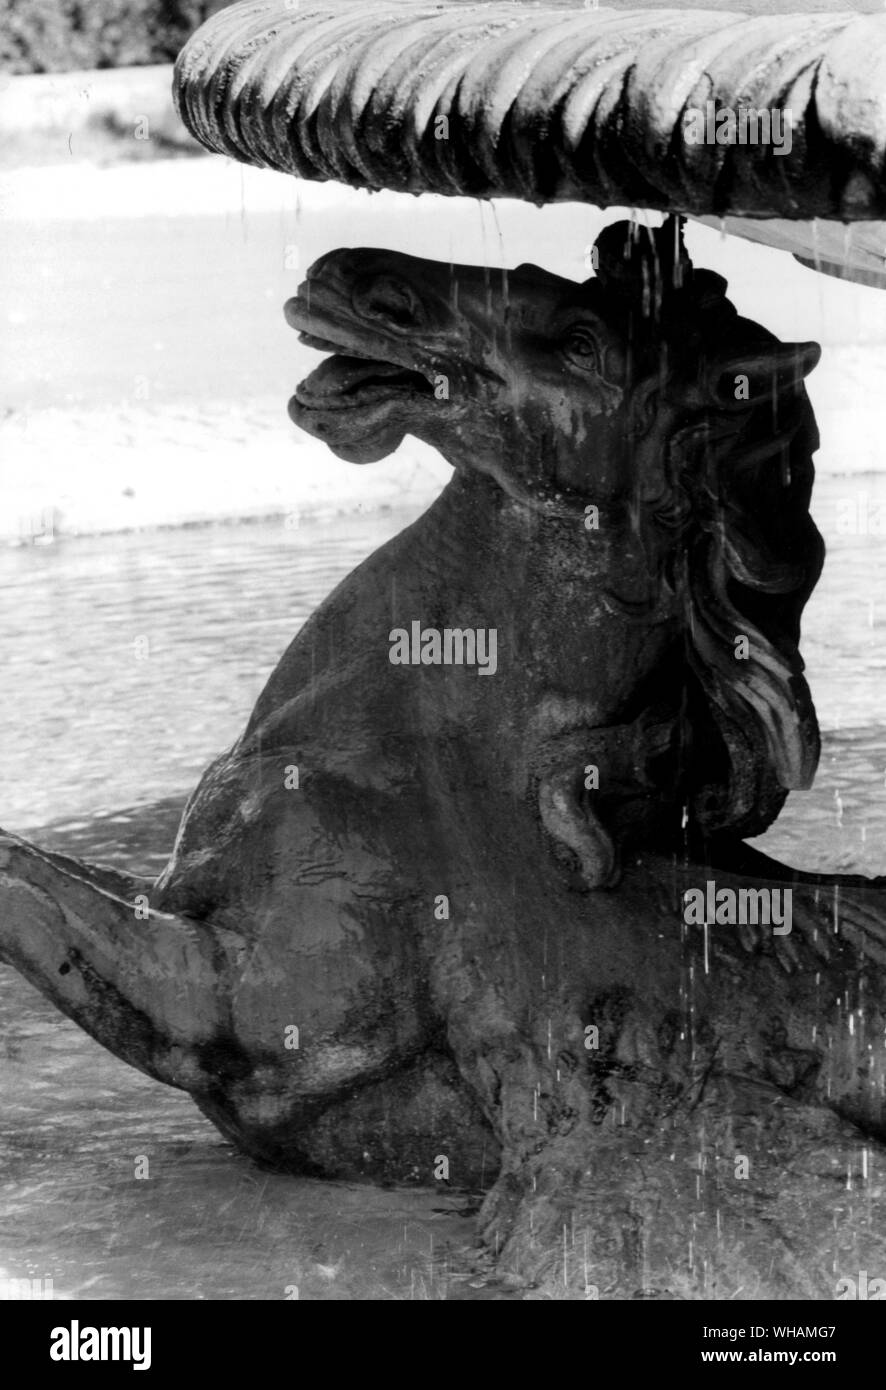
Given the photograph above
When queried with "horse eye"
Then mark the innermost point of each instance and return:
(581, 345)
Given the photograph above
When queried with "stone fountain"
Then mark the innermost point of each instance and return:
(470, 898)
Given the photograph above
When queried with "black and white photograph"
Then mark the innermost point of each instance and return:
(443, 635)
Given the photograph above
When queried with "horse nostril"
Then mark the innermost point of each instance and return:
(389, 299)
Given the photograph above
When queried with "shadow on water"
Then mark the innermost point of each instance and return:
(132, 660)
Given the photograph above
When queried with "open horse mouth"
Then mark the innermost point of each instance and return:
(361, 407)
(351, 381)
(358, 390)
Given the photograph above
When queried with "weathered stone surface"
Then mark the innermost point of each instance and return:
(548, 104)
(439, 901)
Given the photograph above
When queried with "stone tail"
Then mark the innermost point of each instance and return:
(148, 986)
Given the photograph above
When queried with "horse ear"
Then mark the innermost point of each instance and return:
(773, 365)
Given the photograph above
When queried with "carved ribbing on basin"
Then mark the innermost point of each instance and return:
(547, 104)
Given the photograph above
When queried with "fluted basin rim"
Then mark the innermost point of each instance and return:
(549, 104)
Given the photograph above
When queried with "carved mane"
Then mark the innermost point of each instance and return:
(730, 522)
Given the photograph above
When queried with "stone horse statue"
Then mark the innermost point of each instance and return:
(416, 913)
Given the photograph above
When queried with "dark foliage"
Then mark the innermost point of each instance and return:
(65, 35)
